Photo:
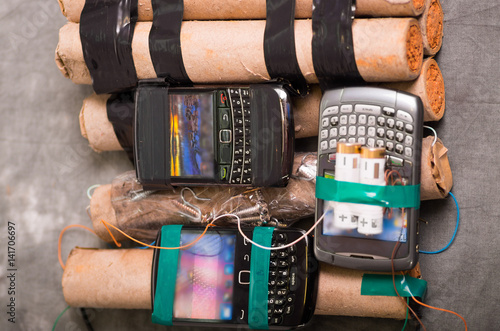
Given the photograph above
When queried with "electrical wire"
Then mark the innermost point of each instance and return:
(279, 247)
(206, 228)
(441, 309)
(407, 311)
(394, 284)
(417, 301)
(152, 246)
(86, 319)
(59, 317)
(89, 195)
(454, 233)
(60, 240)
(435, 134)
(145, 247)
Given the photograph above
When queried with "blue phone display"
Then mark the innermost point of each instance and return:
(191, 135)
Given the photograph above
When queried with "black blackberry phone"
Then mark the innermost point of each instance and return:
(213, 135)
(214, 278)
(353, 236)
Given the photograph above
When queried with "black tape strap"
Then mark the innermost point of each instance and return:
(332, 43)
(106, 31)
(279, 45)
(120, 109)
(152, 134)
(165, 41)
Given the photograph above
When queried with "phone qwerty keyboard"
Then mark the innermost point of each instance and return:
(241, 172)
(370, 125)
(283, 280)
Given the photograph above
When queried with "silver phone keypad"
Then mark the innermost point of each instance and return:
(370, 125)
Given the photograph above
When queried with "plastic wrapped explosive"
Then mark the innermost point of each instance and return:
(255, 9)
(140, 213)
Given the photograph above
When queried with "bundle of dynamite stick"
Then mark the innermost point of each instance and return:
(394, 43)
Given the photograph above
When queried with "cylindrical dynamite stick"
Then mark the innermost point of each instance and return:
(429, 86)
(386, 50)
(431, 24)
(255, 9)
(436, 165)
(121, 279)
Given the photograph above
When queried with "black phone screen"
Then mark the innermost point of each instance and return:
(205, 277)
(192, 135)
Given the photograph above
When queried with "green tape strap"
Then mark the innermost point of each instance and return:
(398, 196)
(382, 285)
(259, 278)
(167, 275)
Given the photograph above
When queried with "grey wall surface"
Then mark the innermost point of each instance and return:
(46, 168)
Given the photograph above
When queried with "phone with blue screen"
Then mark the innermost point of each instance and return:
(213, 279)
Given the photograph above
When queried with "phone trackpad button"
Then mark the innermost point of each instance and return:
(244, 277)
(225, 153)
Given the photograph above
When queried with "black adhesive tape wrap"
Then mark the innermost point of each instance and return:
(106, 31)
(279, 45)
(332, 43)
(152, 139)
(120, 109)
(165, 41)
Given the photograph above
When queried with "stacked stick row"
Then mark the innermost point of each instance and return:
(394, 42)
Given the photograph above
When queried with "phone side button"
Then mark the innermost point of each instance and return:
(244, 277)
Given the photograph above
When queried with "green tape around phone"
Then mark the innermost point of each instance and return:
(397, 196)
(185, 298)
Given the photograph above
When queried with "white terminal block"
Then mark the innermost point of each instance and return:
(372, 168)
(345, 215)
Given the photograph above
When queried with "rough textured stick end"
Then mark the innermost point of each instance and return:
(429, 86)
(433, 27)
(69, 55)
(95, 126)
(418, 4)
(61, 6)
(60, 63)
(388, 49)
(434, 87)
(414, 48)
(437, 178)
(81, 121)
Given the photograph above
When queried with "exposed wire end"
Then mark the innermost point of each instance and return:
(93, 187)
(435, 134)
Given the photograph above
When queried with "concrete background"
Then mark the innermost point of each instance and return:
(46, 168)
